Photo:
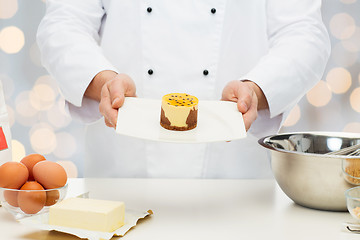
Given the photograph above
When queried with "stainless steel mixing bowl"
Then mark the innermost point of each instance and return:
(305, 172)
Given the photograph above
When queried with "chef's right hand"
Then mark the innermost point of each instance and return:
(110, 89)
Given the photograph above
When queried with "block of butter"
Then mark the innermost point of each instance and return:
(90, 214)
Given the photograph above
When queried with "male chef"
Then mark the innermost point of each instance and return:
(264, 55)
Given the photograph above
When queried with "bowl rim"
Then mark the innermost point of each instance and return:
(43, 190)
(349, 190)
(262, 142)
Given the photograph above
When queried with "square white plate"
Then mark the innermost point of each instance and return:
(217, 121)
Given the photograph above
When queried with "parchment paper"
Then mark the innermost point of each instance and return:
(131, 219)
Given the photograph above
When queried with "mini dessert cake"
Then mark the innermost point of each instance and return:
(179, 111)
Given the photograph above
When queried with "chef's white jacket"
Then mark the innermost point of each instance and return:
(189, 46)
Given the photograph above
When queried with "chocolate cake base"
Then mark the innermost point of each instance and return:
(169, 127)
(191, 121)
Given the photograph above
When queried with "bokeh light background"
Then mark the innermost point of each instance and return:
(39, 123)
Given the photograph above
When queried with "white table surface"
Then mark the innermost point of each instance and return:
(201, 209)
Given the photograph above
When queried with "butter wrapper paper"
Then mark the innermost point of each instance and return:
(131, 219)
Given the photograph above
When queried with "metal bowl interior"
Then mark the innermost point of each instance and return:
(309, 143)
(306, 174)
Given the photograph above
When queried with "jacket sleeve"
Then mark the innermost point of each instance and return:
(299, 49)
(68, 39)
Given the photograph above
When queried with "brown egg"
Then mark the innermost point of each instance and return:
(52, 197)
(30, 160)
(50, 174)
(11, 197)
(31, 202)
(13, 175)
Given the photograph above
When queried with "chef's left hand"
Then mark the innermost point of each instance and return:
(249, 98)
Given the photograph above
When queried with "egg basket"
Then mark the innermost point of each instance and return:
(24, 203)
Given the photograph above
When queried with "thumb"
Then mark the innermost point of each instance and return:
(229, 92)
(122, 86)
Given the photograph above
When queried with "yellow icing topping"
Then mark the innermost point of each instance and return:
(180, 100)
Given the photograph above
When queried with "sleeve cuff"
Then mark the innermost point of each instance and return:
(87, 113)
(75, 95)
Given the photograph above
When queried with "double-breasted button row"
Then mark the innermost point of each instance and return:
(205, 72)
(213, 10)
